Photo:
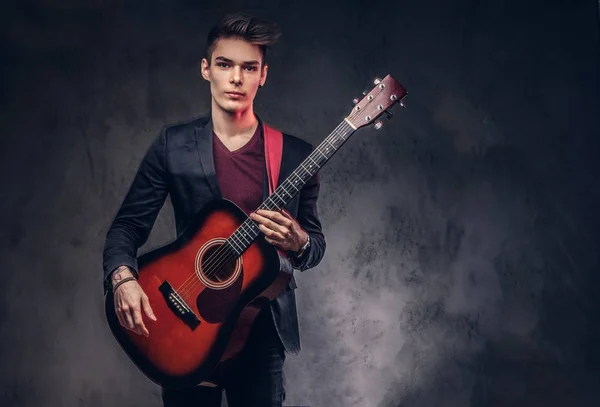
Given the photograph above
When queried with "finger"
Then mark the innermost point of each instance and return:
(128, 318)
(288, 215)
(148, 308)
(275, 216)
(120, 313)
(270, 233)
(275, 243)
(139, 323)
(122, 322)
(117, 310)
(262, 216)
(271, 225)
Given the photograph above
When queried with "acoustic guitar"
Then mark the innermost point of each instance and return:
(207, 286)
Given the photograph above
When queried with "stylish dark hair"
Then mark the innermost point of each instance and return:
(252, 29)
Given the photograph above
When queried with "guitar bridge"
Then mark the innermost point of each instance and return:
(178, 306)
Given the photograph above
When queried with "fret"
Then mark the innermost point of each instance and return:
(243, 243)
(284, 190)
(336, 142)
(268, 202)
(310, 158)
(245, 227)
(246, 242)
(230, 246)
(320, 160)
(302, 175)
(319, 150)
(293, 185)
(327, 141)
(254, 227)
(248, 231)
(342, 135)
(275, 194)
(232, 239)
(227, 246)
(296, 175)
(328, 150)
(296, 180)
(304, 168)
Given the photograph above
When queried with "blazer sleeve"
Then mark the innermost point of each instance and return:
(308, 218)
(136, 216)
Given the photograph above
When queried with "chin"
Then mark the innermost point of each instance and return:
(233, 107)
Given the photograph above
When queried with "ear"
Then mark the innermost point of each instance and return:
(263, 75)
(205, 69)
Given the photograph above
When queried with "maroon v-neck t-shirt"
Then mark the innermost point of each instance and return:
(240, 172)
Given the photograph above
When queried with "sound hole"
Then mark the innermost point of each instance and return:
(218, 263)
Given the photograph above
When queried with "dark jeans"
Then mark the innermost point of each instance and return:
(256, 380)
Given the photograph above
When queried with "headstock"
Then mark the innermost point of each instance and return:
(385, 94)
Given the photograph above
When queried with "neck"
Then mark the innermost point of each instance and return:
(228, 124)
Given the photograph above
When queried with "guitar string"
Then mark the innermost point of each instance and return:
(218, 258)
(216, 261)
(195, 281)
(210, 267)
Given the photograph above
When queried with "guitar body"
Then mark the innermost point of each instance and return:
(204, 308)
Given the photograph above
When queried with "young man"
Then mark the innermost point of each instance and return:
(222, 156)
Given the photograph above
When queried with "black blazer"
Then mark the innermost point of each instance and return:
(180, 162)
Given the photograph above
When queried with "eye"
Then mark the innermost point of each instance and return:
(251, 68)
(222, 64)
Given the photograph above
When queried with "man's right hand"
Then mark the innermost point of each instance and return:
(130, 299)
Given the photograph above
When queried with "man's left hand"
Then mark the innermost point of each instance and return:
(280, 229)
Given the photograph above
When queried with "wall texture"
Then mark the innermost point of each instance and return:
(462, 262)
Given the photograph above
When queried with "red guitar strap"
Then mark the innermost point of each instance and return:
(273, 141)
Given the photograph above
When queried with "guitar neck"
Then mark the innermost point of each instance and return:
(316, 160)
(293, 184)
(386, 93)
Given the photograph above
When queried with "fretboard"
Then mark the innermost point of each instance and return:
(248, 231)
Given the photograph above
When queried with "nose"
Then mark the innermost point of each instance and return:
(236, 76)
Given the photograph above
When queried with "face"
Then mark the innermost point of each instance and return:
(234, 73)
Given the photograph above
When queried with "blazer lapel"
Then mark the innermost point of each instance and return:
(204, 142)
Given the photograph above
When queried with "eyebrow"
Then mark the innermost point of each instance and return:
(220, 58)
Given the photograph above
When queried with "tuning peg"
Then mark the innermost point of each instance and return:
(377, 81)
(365, 92)
(402, 104)
(355, 101)
(378, 125)
(389, 114)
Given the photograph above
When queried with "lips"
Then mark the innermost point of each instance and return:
(235, 93)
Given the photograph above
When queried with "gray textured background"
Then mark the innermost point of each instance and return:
(462, 264)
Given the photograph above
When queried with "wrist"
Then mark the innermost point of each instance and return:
(120, 273)
(123, 281)
(303, 246)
